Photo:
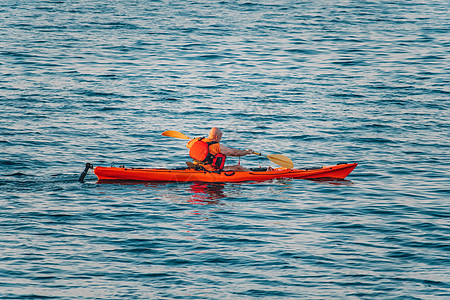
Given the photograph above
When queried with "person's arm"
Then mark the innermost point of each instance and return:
(234, 152)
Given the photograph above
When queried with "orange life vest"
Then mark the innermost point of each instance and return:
(207, 152)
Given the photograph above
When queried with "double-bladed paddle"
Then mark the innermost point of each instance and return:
(278, 159)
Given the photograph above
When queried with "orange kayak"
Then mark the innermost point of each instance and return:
(339, 171)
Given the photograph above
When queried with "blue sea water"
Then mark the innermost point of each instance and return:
(321, 82)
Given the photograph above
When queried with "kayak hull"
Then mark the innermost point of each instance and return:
(189, 175)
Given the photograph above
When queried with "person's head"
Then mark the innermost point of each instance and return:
(215, 134)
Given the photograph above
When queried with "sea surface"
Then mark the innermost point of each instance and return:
(321, 82)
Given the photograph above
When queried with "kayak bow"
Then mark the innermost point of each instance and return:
(339, 171)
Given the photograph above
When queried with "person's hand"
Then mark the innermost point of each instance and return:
(248, 151)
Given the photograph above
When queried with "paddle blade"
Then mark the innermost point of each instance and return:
(281, 160)
(175, 134)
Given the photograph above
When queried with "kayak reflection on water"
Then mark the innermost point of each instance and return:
(333, 181)
(206, 193)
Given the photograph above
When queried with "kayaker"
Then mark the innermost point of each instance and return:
(215, 159)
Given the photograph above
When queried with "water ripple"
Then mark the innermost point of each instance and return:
(321, 82)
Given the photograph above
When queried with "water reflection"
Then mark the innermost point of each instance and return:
(199, 192)
(206, 193)
(333, 181)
